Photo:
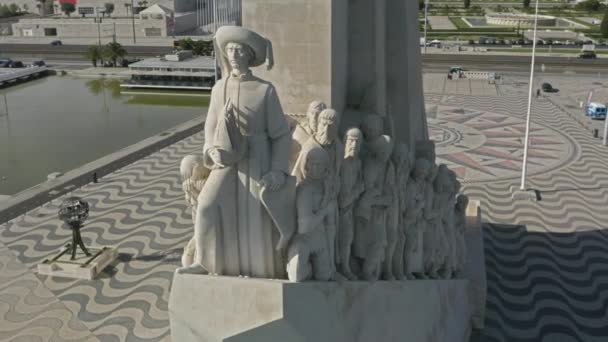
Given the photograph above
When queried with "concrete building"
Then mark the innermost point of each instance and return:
(153, 18)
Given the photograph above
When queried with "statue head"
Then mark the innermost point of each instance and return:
(401, 155)
(240, 49)
(462, 202)
(312, 114)
(316, 164)
(373, 127)
(456, 185)
(382, 148)
(421, 169)
(189, 165)
(240, 56)
(327, 127)
(353, 140)
(432, 174)
(443, 180)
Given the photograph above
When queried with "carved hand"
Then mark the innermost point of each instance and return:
(273, 180)
(218, 157)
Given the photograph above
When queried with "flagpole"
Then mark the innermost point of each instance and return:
(524, 169)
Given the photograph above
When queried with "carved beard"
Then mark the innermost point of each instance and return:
(323, 138)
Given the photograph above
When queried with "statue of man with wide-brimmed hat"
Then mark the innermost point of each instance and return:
(239, 230)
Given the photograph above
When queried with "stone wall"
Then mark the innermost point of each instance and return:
(86, 27)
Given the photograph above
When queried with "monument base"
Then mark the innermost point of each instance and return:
(82, 267)
(230, 309)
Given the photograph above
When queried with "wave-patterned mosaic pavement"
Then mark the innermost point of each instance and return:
(546, 261)
(141, 211)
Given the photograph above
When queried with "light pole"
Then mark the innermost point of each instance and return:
(133, 21)
(524, 169)
(426, 20)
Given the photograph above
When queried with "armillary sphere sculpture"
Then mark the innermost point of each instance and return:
(73, 211)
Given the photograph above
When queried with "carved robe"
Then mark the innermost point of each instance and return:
(238, 236)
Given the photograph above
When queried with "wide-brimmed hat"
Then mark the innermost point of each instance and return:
(261, 47)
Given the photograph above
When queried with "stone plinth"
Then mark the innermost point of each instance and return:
(83, 267)
(213, 309)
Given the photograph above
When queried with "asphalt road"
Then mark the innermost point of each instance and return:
(47, 51)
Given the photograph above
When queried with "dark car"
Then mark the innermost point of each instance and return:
(5, 62)
(39, 63)
(56, 43)
(16, 64)
(547, 88)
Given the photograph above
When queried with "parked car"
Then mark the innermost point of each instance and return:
(547, 88)
(39, 63)
(5, 62)
(16, 64)
(56, 43)
(596, 110)
(588, 55)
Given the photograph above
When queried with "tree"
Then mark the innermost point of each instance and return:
(113, 51)
(93, 54)
(185, 44)
(203, 48)
(589, 6)
(526, 3)
(604, 26)
(14, 9)
(68, 8)
(109, 8)
(467, 4)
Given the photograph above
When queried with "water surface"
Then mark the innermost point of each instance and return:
(59, 123)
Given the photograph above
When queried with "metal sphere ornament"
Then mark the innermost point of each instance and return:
(74, 211)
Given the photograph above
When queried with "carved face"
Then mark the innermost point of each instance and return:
(327, 128)
(382, 148)
(352, 143)
(312, 115)
(317, 164)
(238, 56)
(421, 170)
(373, 127)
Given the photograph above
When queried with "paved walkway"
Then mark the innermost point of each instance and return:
(547, 261)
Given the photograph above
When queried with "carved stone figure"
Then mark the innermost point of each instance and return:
(402, 162)
(351, 188)
(449, 225)
(310, 253)
(247, 145)
(431, 215)
(373, 210)
(442, 191)
(194, 175)
(326, 137)
(460, 221)
(372, 127)
(415, 202)
(305, 130)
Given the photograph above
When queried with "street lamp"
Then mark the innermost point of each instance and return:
(73, 211)
(524, 169)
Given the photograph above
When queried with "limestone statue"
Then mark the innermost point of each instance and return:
(442, 191)
(372, 127)
(310, 253)
(305, 130)
(373, 210)
(460, 221)
(247, 145)
(326, 137)
(449, 222)
(351, 188)
(431, 215)
(194, 175)
(415, 202)
(402, 162)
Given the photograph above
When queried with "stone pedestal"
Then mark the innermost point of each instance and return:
(213, 309)
(82, 267)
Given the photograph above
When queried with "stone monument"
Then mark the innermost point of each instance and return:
(330, 248)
